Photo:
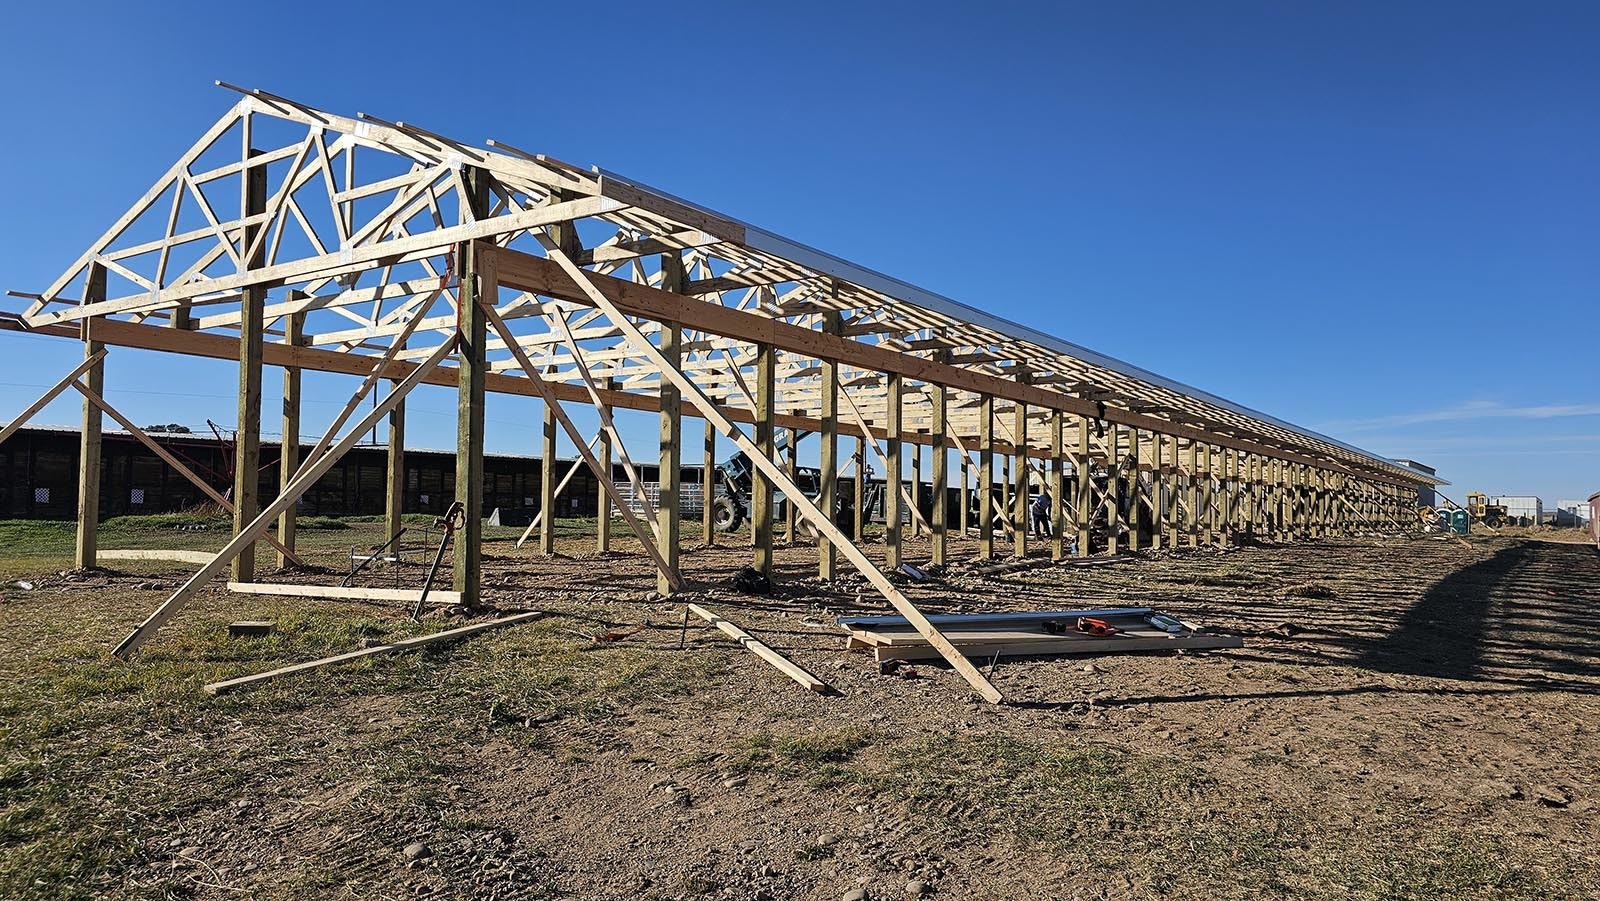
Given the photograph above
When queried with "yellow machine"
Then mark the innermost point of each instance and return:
(1479, 508)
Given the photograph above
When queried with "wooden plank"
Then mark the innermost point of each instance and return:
(872, 622)
(983, 652)
(755, 646)
(408, 644)
(201, 557)
(343, 592)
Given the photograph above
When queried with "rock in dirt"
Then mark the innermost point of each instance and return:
(827, 839)
(733, 781)
(856, 894)
(1497, 788)
(1553, 796)
(916, 888)
(417, 851)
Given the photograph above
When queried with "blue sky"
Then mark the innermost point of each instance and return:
(1379, 220)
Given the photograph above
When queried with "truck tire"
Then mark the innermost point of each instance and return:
(726, 515)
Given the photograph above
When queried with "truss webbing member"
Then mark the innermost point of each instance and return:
(824, 523)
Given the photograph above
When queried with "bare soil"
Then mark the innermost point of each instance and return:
(1409, 718)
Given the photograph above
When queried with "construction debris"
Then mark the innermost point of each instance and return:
(754, 646)
(989, 636)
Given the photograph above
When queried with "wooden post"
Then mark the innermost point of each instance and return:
(395, 497)
(938, 428)
(916, 490)
(1019, 500)
(791, 468)
(602, 537)
(669, 528)
(547, 482)
(1173, 480)
(708, 487)
(896, 469)
(1058, 485)
(761, 484)
(828, 498)
(1193, 493)
(86, 554)
(1114, 488)
(986, 477)
(478, 279)
(1136, 493)
(1085, 469)
(247, 440)
(1157, 483)
(860, 489)
(965, 513)
(294, 326)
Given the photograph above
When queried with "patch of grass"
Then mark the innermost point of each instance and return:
(1317, 591)
(122, 525)
(819, 758)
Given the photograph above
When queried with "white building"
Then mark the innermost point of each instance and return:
(1524, 510)
(1575, 513)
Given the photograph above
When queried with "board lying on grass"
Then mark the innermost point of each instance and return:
(990, 635)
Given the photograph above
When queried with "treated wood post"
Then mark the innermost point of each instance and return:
(1136, 493)
(986, 477)
(708, 487)
(896, 468)
(965, 513)
(602, 537)
(1058, 485)
(791, 468)
(669, 514)
(761, 485)
(86, 554)
(916, 490)
(478, 280)
(938, 428)
(828, 498)
(1019, 500)
(1193, 493)
(1157, 479)
(394, 506)
(247, 440)
(860, 491)
(548, 478)
(294, 326)
(1085, 469)
(1114, 489)
(1174, 484)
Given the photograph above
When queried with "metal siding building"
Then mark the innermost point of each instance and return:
(1524, 509)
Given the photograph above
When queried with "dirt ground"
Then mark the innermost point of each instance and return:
(1409, 718)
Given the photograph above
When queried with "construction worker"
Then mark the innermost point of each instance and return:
(1040, 514)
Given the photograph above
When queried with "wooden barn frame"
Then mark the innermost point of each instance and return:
(292, 237)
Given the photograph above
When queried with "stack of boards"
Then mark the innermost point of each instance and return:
(984, 636)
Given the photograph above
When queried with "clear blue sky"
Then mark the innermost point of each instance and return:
(1381, 220)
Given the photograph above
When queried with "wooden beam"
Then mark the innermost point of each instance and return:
(289, 448)
(394, 502)
(761, 500)
(859, 533)
(708, 487)
(937, 395)
(247, 438)
(89, 434)
(1058, 486)
(342, 592)
(407, 644)
(1019, 501)
(894, 472)
(828, 498)
(986, 477)
(755, 646)
(1082, 465)
(177, 556)
(479, 287)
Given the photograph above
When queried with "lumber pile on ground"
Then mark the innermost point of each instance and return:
(985, 636)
